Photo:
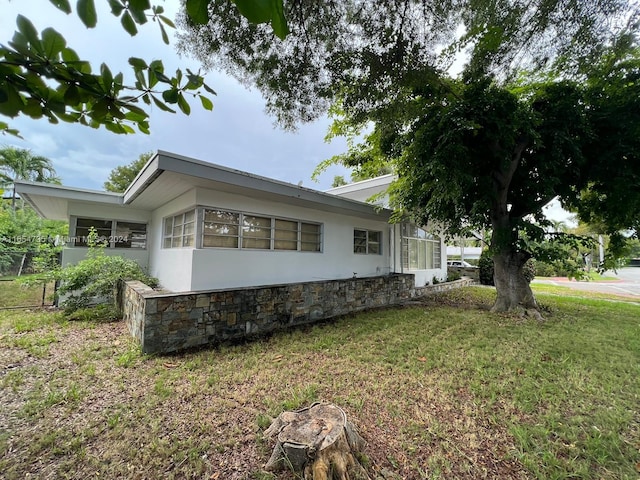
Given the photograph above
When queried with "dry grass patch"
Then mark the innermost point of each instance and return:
(441, 390)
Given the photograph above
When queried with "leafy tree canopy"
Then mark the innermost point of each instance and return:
(489, 147)
(369, 54)
(121, 177)
(42, 77)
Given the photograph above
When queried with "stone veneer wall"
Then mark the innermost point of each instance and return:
(166, 322)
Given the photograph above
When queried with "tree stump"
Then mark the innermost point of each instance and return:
(318, 443)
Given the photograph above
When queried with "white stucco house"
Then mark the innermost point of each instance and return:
(198, 226)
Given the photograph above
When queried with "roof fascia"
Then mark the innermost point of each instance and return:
(170, 162)
(28, 188)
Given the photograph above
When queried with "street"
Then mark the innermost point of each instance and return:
(628, 283)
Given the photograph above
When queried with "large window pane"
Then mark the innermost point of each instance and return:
(220, 241)
(179, 230)
(103, 229)
(420, 249)
(365, 241)
(130, 235)
(359, 241)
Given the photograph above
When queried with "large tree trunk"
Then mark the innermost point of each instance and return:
(513, 291)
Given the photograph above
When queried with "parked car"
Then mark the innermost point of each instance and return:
(459, 263)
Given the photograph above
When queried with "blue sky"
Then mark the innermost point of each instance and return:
(236, 134)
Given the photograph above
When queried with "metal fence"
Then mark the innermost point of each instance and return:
(18, 265)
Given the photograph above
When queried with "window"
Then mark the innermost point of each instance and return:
(114, 233)
(420, 249)
(225, 229)
(256, 232)
(310, 240)
(221, 229)
(367, 242)
(179, 230)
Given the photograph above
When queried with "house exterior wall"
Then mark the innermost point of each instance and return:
(171, 266)
(72, 255)
(191, 269)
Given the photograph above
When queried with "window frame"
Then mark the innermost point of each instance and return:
(257, 242)
(112, 239)
(182, 235)
(426, 246)
(363, 243)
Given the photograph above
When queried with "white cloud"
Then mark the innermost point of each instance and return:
(236, 134)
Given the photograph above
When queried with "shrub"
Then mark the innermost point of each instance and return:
(485, 265)
(452, 276)
(529, 270)
(97, 276)
(544, 269)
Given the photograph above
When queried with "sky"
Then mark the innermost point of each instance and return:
(236, 134)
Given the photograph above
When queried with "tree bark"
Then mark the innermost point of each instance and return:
(317, 443)
(513, 291)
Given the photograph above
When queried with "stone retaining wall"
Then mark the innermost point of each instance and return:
(167, 322)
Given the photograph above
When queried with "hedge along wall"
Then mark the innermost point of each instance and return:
(167, 322)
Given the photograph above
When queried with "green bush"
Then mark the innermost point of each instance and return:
(453, 276)
(529, 270)
(97, 277)
(544, 269)
(485, 265)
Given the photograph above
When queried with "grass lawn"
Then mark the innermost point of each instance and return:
(12, 294)
(444, 389)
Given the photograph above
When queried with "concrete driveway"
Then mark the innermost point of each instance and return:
(627, 283)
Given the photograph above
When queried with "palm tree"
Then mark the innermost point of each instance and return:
(21, 164)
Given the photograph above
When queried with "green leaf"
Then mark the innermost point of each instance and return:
(27, 29)
(107, 76)
(198, 11)
(87, 12)
(33, 108)
(99, 110)
(116, 7)
(161, 105)
(128, 24)
(72, 95)
(137, 63)
(62, 5)
(138, 9)
(279, 21)
(52, 42)
(114, 128)
(206, 103)
(256, 11)
(136, 115)
(163, 33)
(171, 95)
(144, 127)
(209, 89)
(13, 103)
(167, 21)
(183, 104)
(161, 76)
(140, 4)
(69, 55)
